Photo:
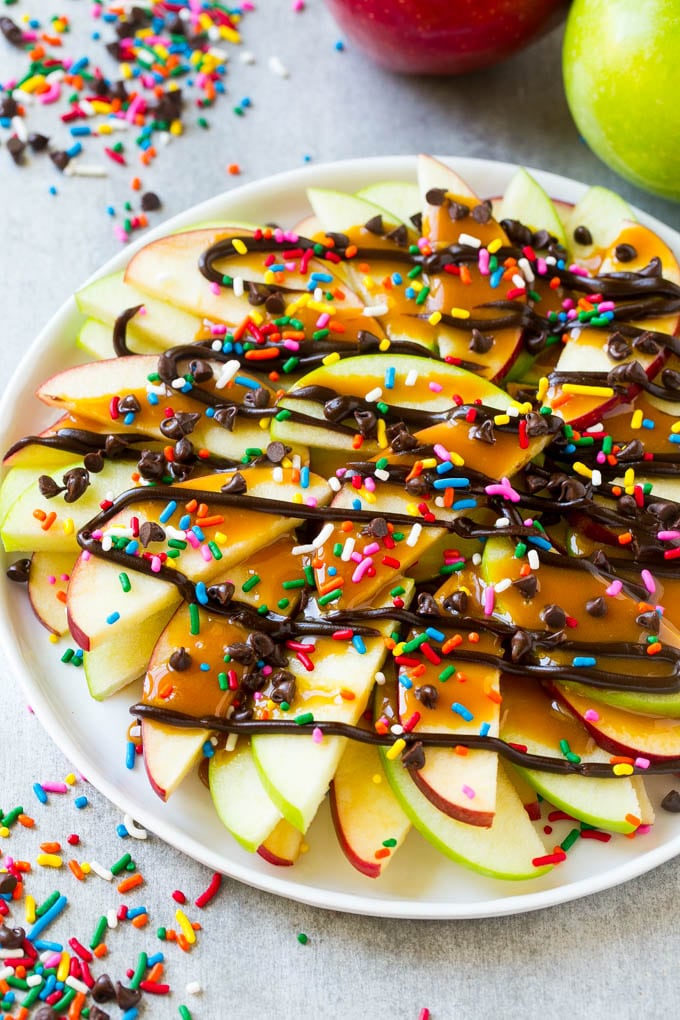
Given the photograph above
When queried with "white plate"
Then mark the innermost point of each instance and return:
(420, 883)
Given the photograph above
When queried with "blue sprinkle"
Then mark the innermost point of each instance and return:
(201, 593)
(184, 522)
(465, 504)
(332, 571)
(79, 65)
(674, 437)
(306, 158)
(49, 985)
(451, 483)
(110, 210)
(75, 150)
(112, 618)
(584, 661)
(304, 477)
(250, 384)
(484, 729)
(167, 512)
(40, 793)
(152, 398)
(53, 190)
(132, 547)
(80, 131)
(356, 504)
(462, 711)
(410, 292)
(156, 958)
(340, 46)
(122, 831)
(130, 1014)
(434, 634)
(208, 750)
(47, 918)
(496, 277)
(129, 418)
(358, 643)
(130, 755)
(542, 543)
(198, 532)
(96, 36)
(43, 944)
(397, 279)
(204, 667)
(136, 912)
(647, 423)
(81, 802)
(405, 681)
(390, 374)
(210, 411)
(570, 448)
(444, 467)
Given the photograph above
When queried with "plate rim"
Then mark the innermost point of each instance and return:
(389, 167)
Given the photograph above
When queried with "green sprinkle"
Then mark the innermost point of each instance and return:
(283, 604)
(568, 431)
(51, 899)
(223, 681)
(290, 365)
(142, 964)
(120, 864)
(337, 549)
(298, 582)
(309, 575)
(520, 550)
(320, 334)
(184, 1012)
(202, 122)
(215, 550)
(177, 543)
(422, 296)
(382, 463)
(446, 673)
(194, 619)
(397, 591)
(398, 536)
(569, 840)
(303, 939)
(389, 842)
(228, 281)
(161, 933)
(33, 994)
(283, 414)
(251, 582)
(415, 643)
(297, 324)
(607, 444)
(534, 295)
(304, 718)
(15, 982)
(68, 655)
(124, 582)
(153, 377)
(284, 706)
(452, 568)
(173, 554)
(574, 758)
(65, 1001)
(564, 747)
(331, 596)
(263, 609)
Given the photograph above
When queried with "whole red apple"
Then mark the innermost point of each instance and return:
(444, 36)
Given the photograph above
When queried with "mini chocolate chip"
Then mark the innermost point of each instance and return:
(520, 645)
(94, 462)
(366, 422)
(541, 239)
(275, 304)
(127, 997)
(8, 107)
(201, 370)
(378, 528)
(262, 644)
(242, 714)
(276, 452)
(600, 561)
(427, 605)
(435, 196)
(671, 802)
(571, 490)
(222, 593)
(646, 344)
(458, 210)
(417, 221)
(456, 603)
(427, 695)
(650, 621)
(171, 428)
(631, 372)
(285, 691)
(527, 586)
(597, 606)
(484, 432)
(625, 252)
(398, 236)
(670, 379)
(239, 651)
(537, 424)
(150, 201)
(48, 487)
(226, 415)
(151, 465)
(11, 938)
(16, 149)
(517, 232)
(46, 1013)
(554, 616)
(100, 1014)
(114, 446)
(180, 660)
(634, 450)
(184, 451)
(375, 225)
(19, 571)
(150, 531)
(236, 485)
(414, 756)
(481, 213)
(480, 343)
(129, 403)
(582, 235)
(618, 347)
(258, 398)
(8, 883)
(76, 482)
(418, 486)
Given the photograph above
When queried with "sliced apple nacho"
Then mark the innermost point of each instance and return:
(384, 504)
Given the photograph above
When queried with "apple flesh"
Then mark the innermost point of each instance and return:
(282, 847)
(239, 797)
(440, 37)
(47, 583)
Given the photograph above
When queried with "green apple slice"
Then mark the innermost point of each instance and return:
(296, 771)
(525, 200)
(114, 664)
(96, 340)
(340, 212)
(366, 814)
(240, 799)
(602, 211)
(399, 198)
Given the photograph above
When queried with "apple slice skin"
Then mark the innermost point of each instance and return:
(47, 581)
(283, 845)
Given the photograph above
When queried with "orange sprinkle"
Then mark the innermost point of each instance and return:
(76, 1006)
(76, 870)
(495, 696)
(655, 648)
(452, 643)
(465, 274)
(100, 950)
(156, 972)
(357, 442)
(191, 505)
(620, 759)
(625, 539)
(473, 637)
(383, 852)
(182, 941)
(462, 751)
(135, 184)
(448, 498)
(39, 515)
(20, 971)
(525, 570)
(140, 921)
(560, 401)
(211, 522)
(170, 935)
(61, 597)
(346, 694)
(26, 821)
(234, 169)
(131, 882)
(460, 677)
(633, 820)
(381, 727)
(202, 510)
(49, 521)
(418, 670)
(350, 251)
(346, 526)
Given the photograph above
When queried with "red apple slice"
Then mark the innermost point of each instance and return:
(47, 582)
(283, 845)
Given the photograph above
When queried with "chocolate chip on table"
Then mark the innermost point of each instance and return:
(100, 1014)
(46, 1013)
(103, 990)
(38, 142)
(625, 252)
(375, 225)
(180, 660)
(8, 883)
(582, 235)
(127, 997)
(671, 802)
(12, 33)
(11, 938)
(150, 201)
(19, 570)
(60, 159)
(16, 149)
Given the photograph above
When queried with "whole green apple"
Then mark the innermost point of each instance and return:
(621, 62)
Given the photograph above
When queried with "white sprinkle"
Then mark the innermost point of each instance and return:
(474, 242)
(9, 971)
(348, 549)
(381, 475)
(162, 139)
(528, 272)
(551, 260)
(277, 66)
(214, 34)
(318, 294)
(380, 678)
(301, 550)
(512, 411)
(158, 390)
(34, 980)
(439, 501)
(25, 98)
(323, 536)
(100, 870)
(78, 986)
(232, 740)
(76, 169)
(111, 918)
(476, 559)
(519, 280)
(596, 478)
(502, 585)
(115, 124)
(238, 286)
(534, 561)
(599, 427)
(335, 484)
(216, 345)
(227, 374)
(247, 57)
(215, 51)
(414, 535)
(374, 310)
(136, 831)
(193, 987)
(373, 395)
(12, 954)
(501, 522)
(87, 107)
(107, 543)
(397, 729)
(411, 377)
(278, 474)
(178, 383)
(19, 128)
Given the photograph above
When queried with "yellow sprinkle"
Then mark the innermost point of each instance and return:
(636, 420)
(398, 648)
(264, 423)
(460, 313)
(456, 458)
(144, 33)
(185, 924)
(99, 107)
(238, 245)
(176, 127)
(195, 57)
(629, 477)
(304, 848)
(396, 749)
(297, 497)
(30, 909)
(85, 867)
(369, 283)
(623, 769)
(321, 306)
(53, 638)
(369, 496)
(675, 427)
(67, 525)
(522, 408)
(542, 389)
(377, 778)
(4, 831)
(286, 462)
(62, 969)
(435, 318)
(587, 391)
(494, 245)
(382, 434)
(431, 462)
(220, 537)
(125, 71)
(501, 419)
(330, 359)
(49, 860)
(32, 83)
(269, 276)
(257, 317)
(384, 345)
(70, 779)
(104, 129)
(581, 469)
(411, 509)
(229, 34)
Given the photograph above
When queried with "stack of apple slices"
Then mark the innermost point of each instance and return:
(339, 494)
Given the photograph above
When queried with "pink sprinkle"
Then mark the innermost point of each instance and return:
(361, 569)
(156, 564)
(668, 536)
(483, 261)
(468, 791)
(215, 287)
(55, 787)
(541, 267)
(503, 489)
(192, 539)
(606, 306)
(601, 457)
(206, 554)
(572, 314)
(218, 330)
(317, 735)
(356, 556)
(98, 534)
(86, 555)
(435, 387)
(642, 830)
(373, 547)
(369, 484)
(441, 452)
(323, 320)
(642, 763)
(577, 270)
(568, 303)
(291, 345)
(489, 600)
(120, 234)
(648, 581)
(311, 501)
(590, 715)
(51, 95)
(266, 670)
(52, 579)
(614, 588)
(298, 5)
(53, 961)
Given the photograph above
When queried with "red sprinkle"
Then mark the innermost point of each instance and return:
(179, 896)
(213, 888)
